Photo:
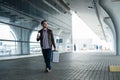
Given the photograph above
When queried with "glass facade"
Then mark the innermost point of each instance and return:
(17, 32)
(22, 19)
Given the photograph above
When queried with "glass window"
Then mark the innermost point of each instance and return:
(7, 41)
(34, 45)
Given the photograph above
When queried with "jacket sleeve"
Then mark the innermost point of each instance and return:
(38, 38)
(53, 42)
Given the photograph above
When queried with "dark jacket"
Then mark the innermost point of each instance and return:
(50, 38)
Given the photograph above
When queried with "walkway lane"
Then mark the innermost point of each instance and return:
(72, 66)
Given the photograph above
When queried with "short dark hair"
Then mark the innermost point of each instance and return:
(43, 21)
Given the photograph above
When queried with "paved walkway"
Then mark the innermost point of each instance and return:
(72, 66)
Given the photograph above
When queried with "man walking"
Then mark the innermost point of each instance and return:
(45, 36)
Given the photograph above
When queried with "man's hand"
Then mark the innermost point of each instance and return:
(55, 49)
(38, 35)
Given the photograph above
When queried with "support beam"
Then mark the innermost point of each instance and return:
(112, 9)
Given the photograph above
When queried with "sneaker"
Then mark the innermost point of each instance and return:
(48, 70)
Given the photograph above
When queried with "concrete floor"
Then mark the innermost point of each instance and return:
(72, 66)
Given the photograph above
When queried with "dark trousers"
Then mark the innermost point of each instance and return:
(47, 57)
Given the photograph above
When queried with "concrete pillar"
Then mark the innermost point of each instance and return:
(22, 38)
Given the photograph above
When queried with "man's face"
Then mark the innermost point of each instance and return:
(45, 25)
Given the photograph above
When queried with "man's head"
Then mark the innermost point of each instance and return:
(44, 24)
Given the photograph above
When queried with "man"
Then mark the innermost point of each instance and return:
(46, 38)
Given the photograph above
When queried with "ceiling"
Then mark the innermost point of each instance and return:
(88, 10)
(92, 14)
